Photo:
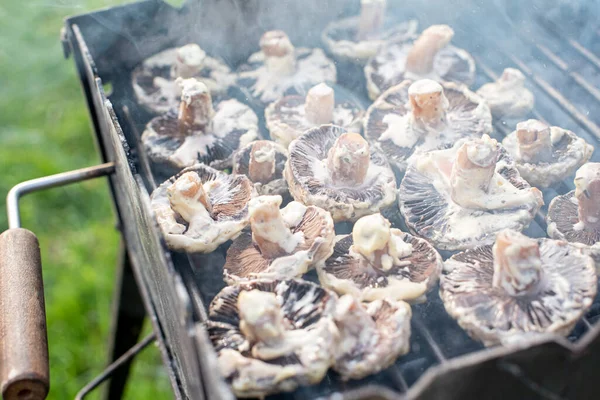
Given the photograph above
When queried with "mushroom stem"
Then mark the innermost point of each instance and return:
(195, 110)
(473, 169)
(372, 13)
(280, 57)
(352, 320)
(261, 167)
(188, 198)
(261, 317)
(269, 231)
(517, 263)
(348, 160)
(373, 239)
(428, 105)
(511, 78)
(319, 104)
(587, 192)
(189, 61)
(535, 141)
(422, 54)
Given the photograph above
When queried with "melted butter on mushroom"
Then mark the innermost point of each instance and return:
(262, 162)
(272, 336)
(280, 69)
(198, 132)
(281, 243)
(201, 208)
(413, 117)
(372, 336)
(291, 116)
(358, 38)
(337, 171)
(507, 96)
(544, 154)
(517, 288)
(380, 262)
(429, 56)
(154, 81)
(575, 216)
(461, 197)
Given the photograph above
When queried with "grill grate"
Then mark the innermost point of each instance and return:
(436, 337)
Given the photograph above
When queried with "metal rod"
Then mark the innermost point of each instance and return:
(34, 185)
(129, 354)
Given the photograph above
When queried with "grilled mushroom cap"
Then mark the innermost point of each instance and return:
(279, 69)
(575, 216)
(429, 56)
(201, 208)
(337, 171)
(508, 97)
(358, 38)
(380, 262)
(424, 115)
(262, 162)
(272, 336)
(518, 287)
(461, 197)
(197, 132)
(371, 336)
(291, 116)
(280, 244)
(544, 154)
(154, 80)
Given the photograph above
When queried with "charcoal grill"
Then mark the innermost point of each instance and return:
(556, 46)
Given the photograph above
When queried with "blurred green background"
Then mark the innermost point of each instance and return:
(45, 129)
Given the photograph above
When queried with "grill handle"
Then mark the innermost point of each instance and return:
(24, 370)
(24, 367)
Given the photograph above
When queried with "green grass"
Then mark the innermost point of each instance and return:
(45, 129)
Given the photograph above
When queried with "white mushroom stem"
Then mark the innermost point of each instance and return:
(511, 78)
(372, 13)
(535, 141)
(348, 160)
(189, 61)
(473, 169)
(517, 263)
(195, 110)
(420, 57)
(319, 105)
(587, 192)
(269, 231)
(354, 323)
(261, 317)
(261, 166)
(188, 198)
(374, 239)
(428, 105)
(280, 57)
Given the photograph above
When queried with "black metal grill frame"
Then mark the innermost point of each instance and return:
(106, 43)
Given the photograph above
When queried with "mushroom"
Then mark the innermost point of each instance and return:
(201, 208)
(262, 162)
(279, 69)
(372, 336)
(272, 336)
(429, 56)
(154, 79)
(380, 262)
(291, 116)
(358, 38)
(544, 154)
(575, 216)
(280, 243)
(335, 170)
(518, 287)
(197, 132)
(507, 96)
(461, 197)
(413, 117)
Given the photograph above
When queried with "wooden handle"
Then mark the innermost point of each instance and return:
(24, 372)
